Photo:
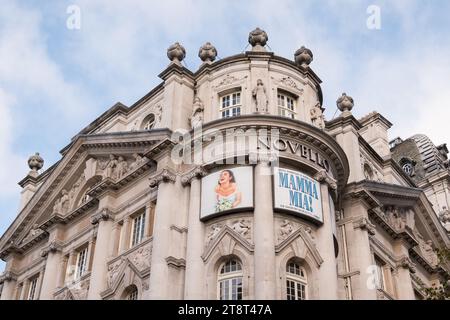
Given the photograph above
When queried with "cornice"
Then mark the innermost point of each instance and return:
(103, 215)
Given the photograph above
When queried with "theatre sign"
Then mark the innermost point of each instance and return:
(297, 193)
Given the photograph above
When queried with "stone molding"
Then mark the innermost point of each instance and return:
(8, 276)
(323, 176)
(54, 246)
(406, 263)
(176, 263)
(165, 175)
(195, 173)
(104, 215)
(364, 223)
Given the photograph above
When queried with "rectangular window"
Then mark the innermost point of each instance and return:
(295, 290)
(231, 289)
(32, 288)
(230, 105)
(380, 276)
(138, 229)
(286, 105)
(81, 265)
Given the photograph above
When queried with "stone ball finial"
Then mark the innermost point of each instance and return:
(35, 162)
(303, 57)
(258, 39)
(176, 53)
(207, 53)
(345, 103)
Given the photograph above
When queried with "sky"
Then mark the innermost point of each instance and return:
(55, 79)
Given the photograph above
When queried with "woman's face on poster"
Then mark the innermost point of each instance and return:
(224, 177)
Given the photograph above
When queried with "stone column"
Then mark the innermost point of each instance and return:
(195, 268)
(9, 280)
(99, 268)
(263, 234)
(62, 270)
(405, 266)
(328, 278)
(358, 228)
(114, 243)
(52, 266)
(161, 235)
(124, 235)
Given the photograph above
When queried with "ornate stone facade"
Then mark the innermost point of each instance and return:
(124, 213)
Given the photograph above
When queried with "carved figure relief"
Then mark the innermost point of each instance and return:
(317, 117)
(242, 227)
(260, 96)
(285, 229)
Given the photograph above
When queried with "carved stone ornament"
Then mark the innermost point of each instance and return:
(35, 162)
(8, 276)
(395, 217)
(197, 172)
(364, 224)
(406, 263)
(165, 175)
(260, 96)
(444, 216)
(141, 257)
(116, 168)
(214, 231)
(345, 103)
(303, 57)
(323, 176)
(103, 215)
(35, 231)
(285, 229)
(207, 53)
(258, 39)
(113, 272)
(317, 117)
(196, 118)
(242, 227)
(176, 53)
(54, 246)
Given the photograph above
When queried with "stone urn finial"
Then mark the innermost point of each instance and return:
(258, 39)
(207, 53)
(35, 162)
(345, 103)
(176, 53)
(303, 57)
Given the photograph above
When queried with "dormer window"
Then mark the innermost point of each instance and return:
(149, 122)
(230, 104)
(286, 105)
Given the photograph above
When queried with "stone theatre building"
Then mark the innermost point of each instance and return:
(261, 197)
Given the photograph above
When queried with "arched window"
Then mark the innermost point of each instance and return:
(149, 122)
(296, 281)
(230, 280)
(132, 293)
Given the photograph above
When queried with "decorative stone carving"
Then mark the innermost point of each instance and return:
(35, 231)
(104, 215)
(64, 295)
(242, 227)
(54, 246)
(111, 167)
(35, 162)
(113, 272)
(164, 175)
(141, 257)
(80, 290)
(138, 161)
(285, 229)
(214, 231)
(323, 176)
(395, 217)
(158, 113)
(369, 170)
(444, 216)
(197, 172)
(405, 262)
(260, 96)
(317, 117)
(426, 248)
(303, 57)
(258, 39)
(8, 276)
(364, 224)
(62, 204)
(207, 53)
(196, 118)
(176, 53)
(345, 103)
(122, 168)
